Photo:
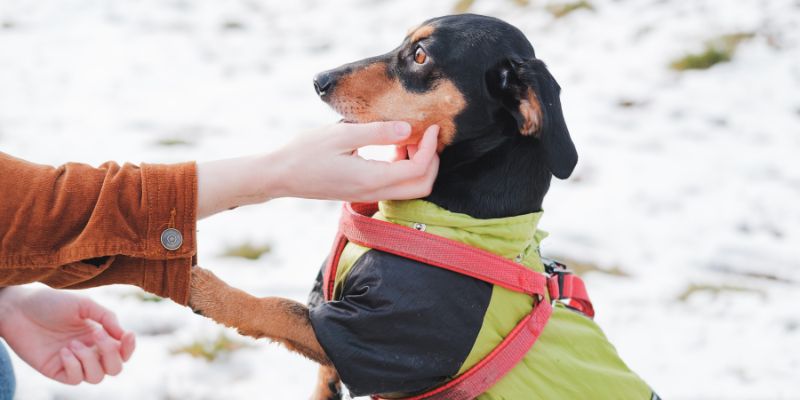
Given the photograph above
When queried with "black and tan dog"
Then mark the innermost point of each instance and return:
(502, 138)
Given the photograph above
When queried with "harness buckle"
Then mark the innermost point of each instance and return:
(555, 272)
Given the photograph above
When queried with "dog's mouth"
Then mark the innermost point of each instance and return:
(368, 95)
(353, 112)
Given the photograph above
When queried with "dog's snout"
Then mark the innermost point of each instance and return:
(324, 83)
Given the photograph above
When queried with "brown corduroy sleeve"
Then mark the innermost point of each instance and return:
(77, 226)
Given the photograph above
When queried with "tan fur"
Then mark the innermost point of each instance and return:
(420, 33)
(328, 384)
(368, 95)
(282, 320)
(531, 111)
(365, 95)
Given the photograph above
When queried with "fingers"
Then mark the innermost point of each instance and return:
(72, 373)
(411, 150)
(91, 310)
(415, 167)
(411, 189)
(417, 174)
(89, 360)
(426, 149)
(127, 345)
(110, 354)
(91, 364)
(372, 134)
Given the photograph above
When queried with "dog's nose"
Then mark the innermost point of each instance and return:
(323, 83)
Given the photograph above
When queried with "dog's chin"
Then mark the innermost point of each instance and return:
(350, 117)
(417, 128)
(346, 119)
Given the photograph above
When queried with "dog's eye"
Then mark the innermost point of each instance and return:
(419, 56)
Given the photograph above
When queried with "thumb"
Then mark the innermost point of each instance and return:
(95, 312)
(355, 136)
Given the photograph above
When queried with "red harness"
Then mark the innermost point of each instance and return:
(357, 226)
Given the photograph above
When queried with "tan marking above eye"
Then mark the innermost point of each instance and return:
(420, 56)
(420, 33)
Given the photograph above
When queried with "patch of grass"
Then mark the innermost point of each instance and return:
(211, 349)
(718, 50)
(169, 142)
(704, 60)
(560, 10)
(725, 269)
(248, 251)
(233, 25)
(735, 39)
(463, 6)
(630, 103)
(157, 330)
(145, 297)
(715, 290)
(583, 267)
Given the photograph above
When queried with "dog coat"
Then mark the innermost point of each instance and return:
(401, 327)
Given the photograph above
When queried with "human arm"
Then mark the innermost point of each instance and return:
(76, 226)
(65, 337)
(323, 164)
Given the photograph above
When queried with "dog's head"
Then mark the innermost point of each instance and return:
(472, 75)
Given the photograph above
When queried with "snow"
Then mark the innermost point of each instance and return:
(696, 183)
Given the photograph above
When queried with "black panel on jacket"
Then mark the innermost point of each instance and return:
(315, 297)
(400, 325)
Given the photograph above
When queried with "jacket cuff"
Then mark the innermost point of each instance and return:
(163, 278)
(170, 192)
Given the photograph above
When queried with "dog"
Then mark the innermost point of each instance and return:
(400, 327)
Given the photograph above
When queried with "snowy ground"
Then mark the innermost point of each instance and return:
(686, 180)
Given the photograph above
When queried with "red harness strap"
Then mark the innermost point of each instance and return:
(357, 226)
(568, 288)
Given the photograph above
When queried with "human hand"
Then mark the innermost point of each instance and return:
(67, 338)
(324, 164)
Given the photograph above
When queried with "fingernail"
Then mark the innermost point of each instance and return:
(402, 129)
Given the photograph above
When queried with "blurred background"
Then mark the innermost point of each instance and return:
(683, 214)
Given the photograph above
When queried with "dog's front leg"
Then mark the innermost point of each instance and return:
(282, 320)
(328, 385)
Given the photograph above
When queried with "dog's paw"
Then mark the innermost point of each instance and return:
(202, 278)
(206, 291)
(329, 387)
(333, 392)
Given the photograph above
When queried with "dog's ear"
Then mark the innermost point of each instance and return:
(530, 94)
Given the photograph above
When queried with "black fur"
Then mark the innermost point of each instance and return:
(381, 341)
(490, 169)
